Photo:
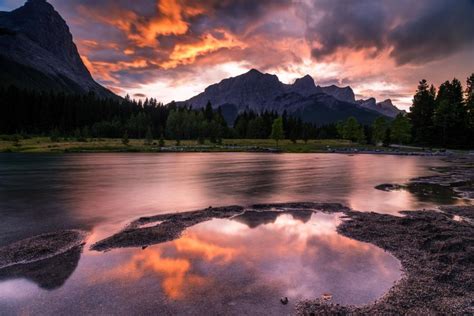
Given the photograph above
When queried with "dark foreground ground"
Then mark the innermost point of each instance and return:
(435, 247)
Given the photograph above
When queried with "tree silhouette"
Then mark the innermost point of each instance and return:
(277, 130)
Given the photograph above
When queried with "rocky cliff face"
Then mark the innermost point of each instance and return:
(251, 90)
(343, 94)
(385, 107)
(37, 49)
(304, 86)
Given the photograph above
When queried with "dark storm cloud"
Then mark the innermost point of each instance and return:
(443, 28)
(418, 31)
(235, 15)
(346, 24)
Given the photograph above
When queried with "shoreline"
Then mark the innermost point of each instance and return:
(336, 146)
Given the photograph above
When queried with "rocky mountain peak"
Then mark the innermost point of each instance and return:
(306, 81)
(304, 86)
(345, 94)
(38, 20)
(254, 72)
(385, 107)
(386, 103)
(37, 37)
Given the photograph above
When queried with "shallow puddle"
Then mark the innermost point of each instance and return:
(243, 265)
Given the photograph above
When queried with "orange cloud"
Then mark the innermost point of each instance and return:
(169, 20)
(105, 70)
(184, 54)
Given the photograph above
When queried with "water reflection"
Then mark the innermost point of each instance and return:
(223, 266)
(224, 259)
(48, 274)
(41, 193)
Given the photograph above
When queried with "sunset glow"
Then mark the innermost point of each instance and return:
(173, 49)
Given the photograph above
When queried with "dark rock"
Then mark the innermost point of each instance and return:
(388, 187)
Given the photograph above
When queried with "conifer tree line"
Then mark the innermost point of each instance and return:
(442, 117)
(83, 116)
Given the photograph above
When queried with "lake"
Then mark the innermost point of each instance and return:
(223, 266)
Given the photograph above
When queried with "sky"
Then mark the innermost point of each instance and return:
(173, 49)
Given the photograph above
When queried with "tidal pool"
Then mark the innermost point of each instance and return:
(237, 266)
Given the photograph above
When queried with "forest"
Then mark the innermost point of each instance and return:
(442, 117)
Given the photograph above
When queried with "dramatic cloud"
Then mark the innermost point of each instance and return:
(443, 28)
(413, 32)
(172, 49)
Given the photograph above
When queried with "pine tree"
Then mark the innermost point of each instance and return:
(422, 113)
(161, 142)
(353, 131)
(148, 137)
(451, 114)
(208, 113)
(470, 108)
(125, 139)
(379, 132)
(277, 130)
(400, 130)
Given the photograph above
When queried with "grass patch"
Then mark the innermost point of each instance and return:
(45, 145)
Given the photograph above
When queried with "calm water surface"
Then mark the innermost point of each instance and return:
(220, 266)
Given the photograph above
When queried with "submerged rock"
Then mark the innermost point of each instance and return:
(451, 183)
(388, 187)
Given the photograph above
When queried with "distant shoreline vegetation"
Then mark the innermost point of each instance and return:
(442, 117)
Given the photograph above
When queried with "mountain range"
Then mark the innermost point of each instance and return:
(37, 52)
(258, 92)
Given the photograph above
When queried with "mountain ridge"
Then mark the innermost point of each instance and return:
(260, 92)
(35, 39)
